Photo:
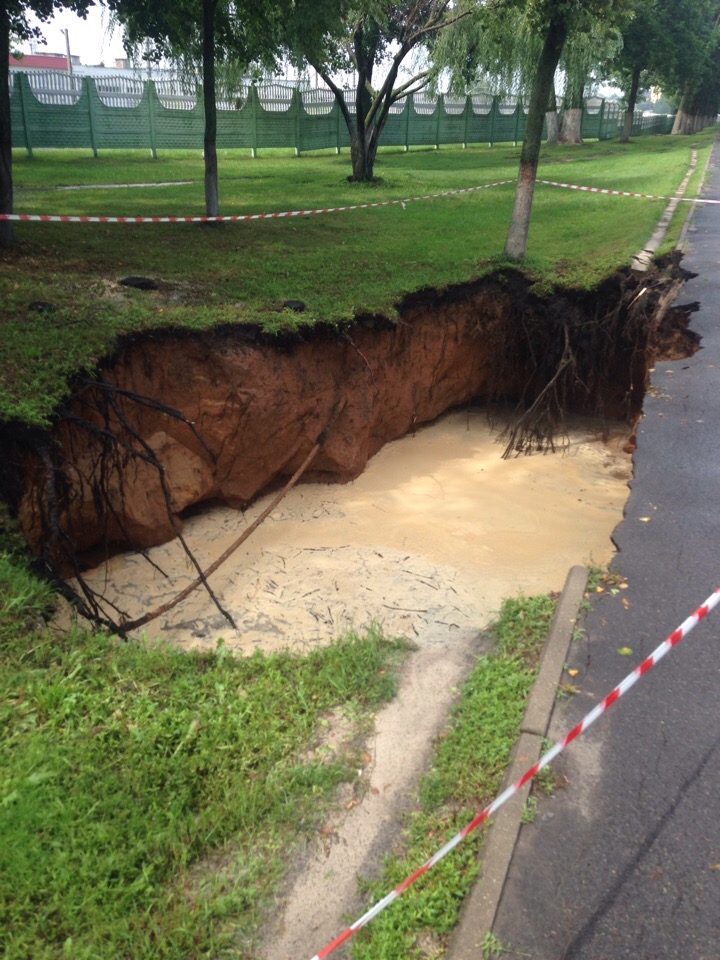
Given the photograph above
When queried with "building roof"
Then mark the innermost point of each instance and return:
(40, 61)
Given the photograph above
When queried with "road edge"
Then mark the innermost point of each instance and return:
(479, 910)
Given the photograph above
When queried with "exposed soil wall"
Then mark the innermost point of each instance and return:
(175, 419)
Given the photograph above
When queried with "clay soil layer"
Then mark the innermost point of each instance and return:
(177, 419)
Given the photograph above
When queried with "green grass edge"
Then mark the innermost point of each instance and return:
(470, 759)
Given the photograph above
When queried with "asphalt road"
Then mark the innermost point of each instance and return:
(623, 861)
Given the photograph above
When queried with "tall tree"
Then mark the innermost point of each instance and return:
(555, 35)
(206, 36)
(692, 75)
(555, 20)
(498, 50)
(15, 25)
(537, 31)
(367, 36)
(672, 44)
(644, 43)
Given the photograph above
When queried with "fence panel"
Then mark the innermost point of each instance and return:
(52, 109)
(181, 127)
(120, 127)
(36, 124)
(452, 121)
(423, 121)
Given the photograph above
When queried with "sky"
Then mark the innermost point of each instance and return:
(89, 38)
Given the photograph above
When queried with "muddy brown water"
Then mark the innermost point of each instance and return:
(427, 541)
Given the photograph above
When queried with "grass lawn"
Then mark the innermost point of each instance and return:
(338, 264)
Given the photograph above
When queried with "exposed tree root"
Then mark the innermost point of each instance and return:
(115, 444)
(216, 564)
(598, 363)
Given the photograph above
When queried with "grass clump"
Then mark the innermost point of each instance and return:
(148, 796)
(468, 766)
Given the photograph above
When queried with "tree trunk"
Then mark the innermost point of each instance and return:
(516, 242)
(363, 156)
(551, 118)
(632, 102)
(210, 142)
(571, 125)
(572, 115)
(681, 117)
(6, 183)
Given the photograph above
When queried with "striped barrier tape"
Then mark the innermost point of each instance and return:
(614, 695)
(233, 218)
(62, 218)
(621, 193)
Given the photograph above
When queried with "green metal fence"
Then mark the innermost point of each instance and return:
(102, 114)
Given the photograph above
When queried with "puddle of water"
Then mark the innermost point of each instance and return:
(428, 541)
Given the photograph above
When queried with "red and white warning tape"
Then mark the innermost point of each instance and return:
(67, 218)
(62, 218)
(632, 678)
(621, 193)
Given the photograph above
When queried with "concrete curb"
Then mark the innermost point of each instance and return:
(480, 908)
(642, 260)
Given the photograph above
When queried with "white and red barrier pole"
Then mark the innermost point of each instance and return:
(614, 695)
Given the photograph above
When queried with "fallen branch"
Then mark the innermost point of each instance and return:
(153, 615)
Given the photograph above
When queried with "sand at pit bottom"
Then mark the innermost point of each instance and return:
(427, 541)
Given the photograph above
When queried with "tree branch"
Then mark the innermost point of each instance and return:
(439, 23)
(403, 91)
(339, 95)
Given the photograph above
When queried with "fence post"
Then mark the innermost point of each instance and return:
(518, 111)
(297, 106)
(600, 121)
(338, 111)
(254, 98)
(89, 87)
(493, 108)
(468, 108)
(150, 92)
(439, 107)
(407, 122)
(21, 81)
